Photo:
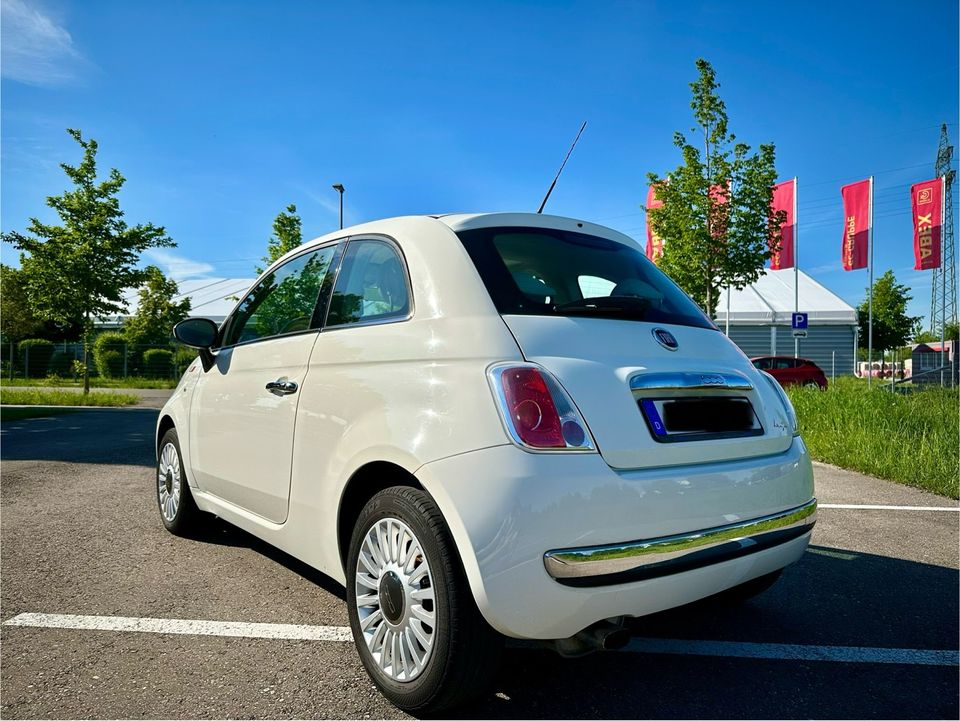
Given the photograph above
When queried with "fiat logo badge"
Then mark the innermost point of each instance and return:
(665, 338)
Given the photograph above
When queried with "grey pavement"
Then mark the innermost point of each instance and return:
(80, 535)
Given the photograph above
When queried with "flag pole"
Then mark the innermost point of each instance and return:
(728, 311)
(870, 301)
(943, 285)
(796, 262)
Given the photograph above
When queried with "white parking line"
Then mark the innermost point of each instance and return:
(302, 632)
(867, 507)
(293, 631)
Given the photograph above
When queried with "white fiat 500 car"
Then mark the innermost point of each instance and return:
(485, 426)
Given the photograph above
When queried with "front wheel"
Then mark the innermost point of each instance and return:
(417, 629)
(178, 511)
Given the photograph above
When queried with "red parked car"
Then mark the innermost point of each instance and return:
(792, 371)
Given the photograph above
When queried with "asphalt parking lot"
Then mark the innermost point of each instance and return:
(865, 626)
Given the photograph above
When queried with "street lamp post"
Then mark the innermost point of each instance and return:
(339, 188)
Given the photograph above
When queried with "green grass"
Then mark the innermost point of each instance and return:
(53, 382)
(64, 398)
(19, 414)
(910, 437)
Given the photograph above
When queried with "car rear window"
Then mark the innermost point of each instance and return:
(541, 271)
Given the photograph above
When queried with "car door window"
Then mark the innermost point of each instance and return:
(784, 363)
(762, 364)
(371, 285)
(283, 301)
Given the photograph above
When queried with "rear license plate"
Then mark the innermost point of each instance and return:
(691, 419)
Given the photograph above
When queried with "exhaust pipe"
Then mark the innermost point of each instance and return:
(601, 636)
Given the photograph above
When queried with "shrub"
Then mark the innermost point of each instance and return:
(36, 354)
(108, 350)
(158, 363)
(61, 364)
(182, 358)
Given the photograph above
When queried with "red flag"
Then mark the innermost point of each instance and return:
(927, 201)
(654, 241)
(854, 248)
(719, 216)
(783, 194)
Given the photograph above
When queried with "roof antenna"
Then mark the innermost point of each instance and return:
(554, 183)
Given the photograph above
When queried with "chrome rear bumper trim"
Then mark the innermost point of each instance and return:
(650, 558)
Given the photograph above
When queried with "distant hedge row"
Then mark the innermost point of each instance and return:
(112, 357)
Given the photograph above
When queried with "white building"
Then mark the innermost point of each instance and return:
(760, 316)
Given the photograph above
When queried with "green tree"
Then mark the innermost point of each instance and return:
(920, 335)
(715, 220)
(80, 268)
(892, 327)
(17, 320)
(287, 235)
(158, 310)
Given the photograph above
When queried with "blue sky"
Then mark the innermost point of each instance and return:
(221, 113)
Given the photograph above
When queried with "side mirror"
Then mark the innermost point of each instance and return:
(200, 333)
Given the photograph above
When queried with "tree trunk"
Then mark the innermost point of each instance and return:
(86, 364)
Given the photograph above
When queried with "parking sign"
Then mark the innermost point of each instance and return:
(798, 321)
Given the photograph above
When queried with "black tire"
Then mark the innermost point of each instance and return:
(745, 591)
(187, 520)
(466, 650)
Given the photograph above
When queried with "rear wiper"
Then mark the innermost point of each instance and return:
(633, 305)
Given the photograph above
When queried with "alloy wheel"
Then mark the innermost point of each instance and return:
(395, 600)
(169, 482)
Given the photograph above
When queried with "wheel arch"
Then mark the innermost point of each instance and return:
(163, 425)
(364, 484)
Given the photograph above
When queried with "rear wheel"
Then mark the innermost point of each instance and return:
(812, 384)
(417, 629)
(178, 511)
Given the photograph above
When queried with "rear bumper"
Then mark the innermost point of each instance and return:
(508, 510)
(655, 557)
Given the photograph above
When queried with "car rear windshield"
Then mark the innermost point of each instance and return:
(541, 271)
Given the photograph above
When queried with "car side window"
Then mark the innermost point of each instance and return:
(283, 301)
(762, 364)
(784, 363)
(371, 285)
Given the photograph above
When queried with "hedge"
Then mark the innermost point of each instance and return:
(158, 363)
(35, 354)
(108, 350)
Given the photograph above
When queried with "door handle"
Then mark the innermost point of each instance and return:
(281, 387)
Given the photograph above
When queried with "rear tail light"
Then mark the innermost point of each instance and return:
(537, 412)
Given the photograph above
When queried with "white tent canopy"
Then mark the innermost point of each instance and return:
(770, 301)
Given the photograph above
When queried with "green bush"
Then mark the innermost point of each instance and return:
(108, 350)
(35, 354)
(61, 364)
(158, 363)
(182, 358)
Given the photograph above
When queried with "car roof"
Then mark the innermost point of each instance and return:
(461, 221)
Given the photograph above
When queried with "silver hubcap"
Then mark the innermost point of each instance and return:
(168, 482)
(395, 600)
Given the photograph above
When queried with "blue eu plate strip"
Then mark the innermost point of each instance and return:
(650, 410)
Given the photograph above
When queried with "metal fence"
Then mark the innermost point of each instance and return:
(64, 360)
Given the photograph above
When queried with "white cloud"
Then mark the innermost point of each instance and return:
(36, 50)
(177, 266)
